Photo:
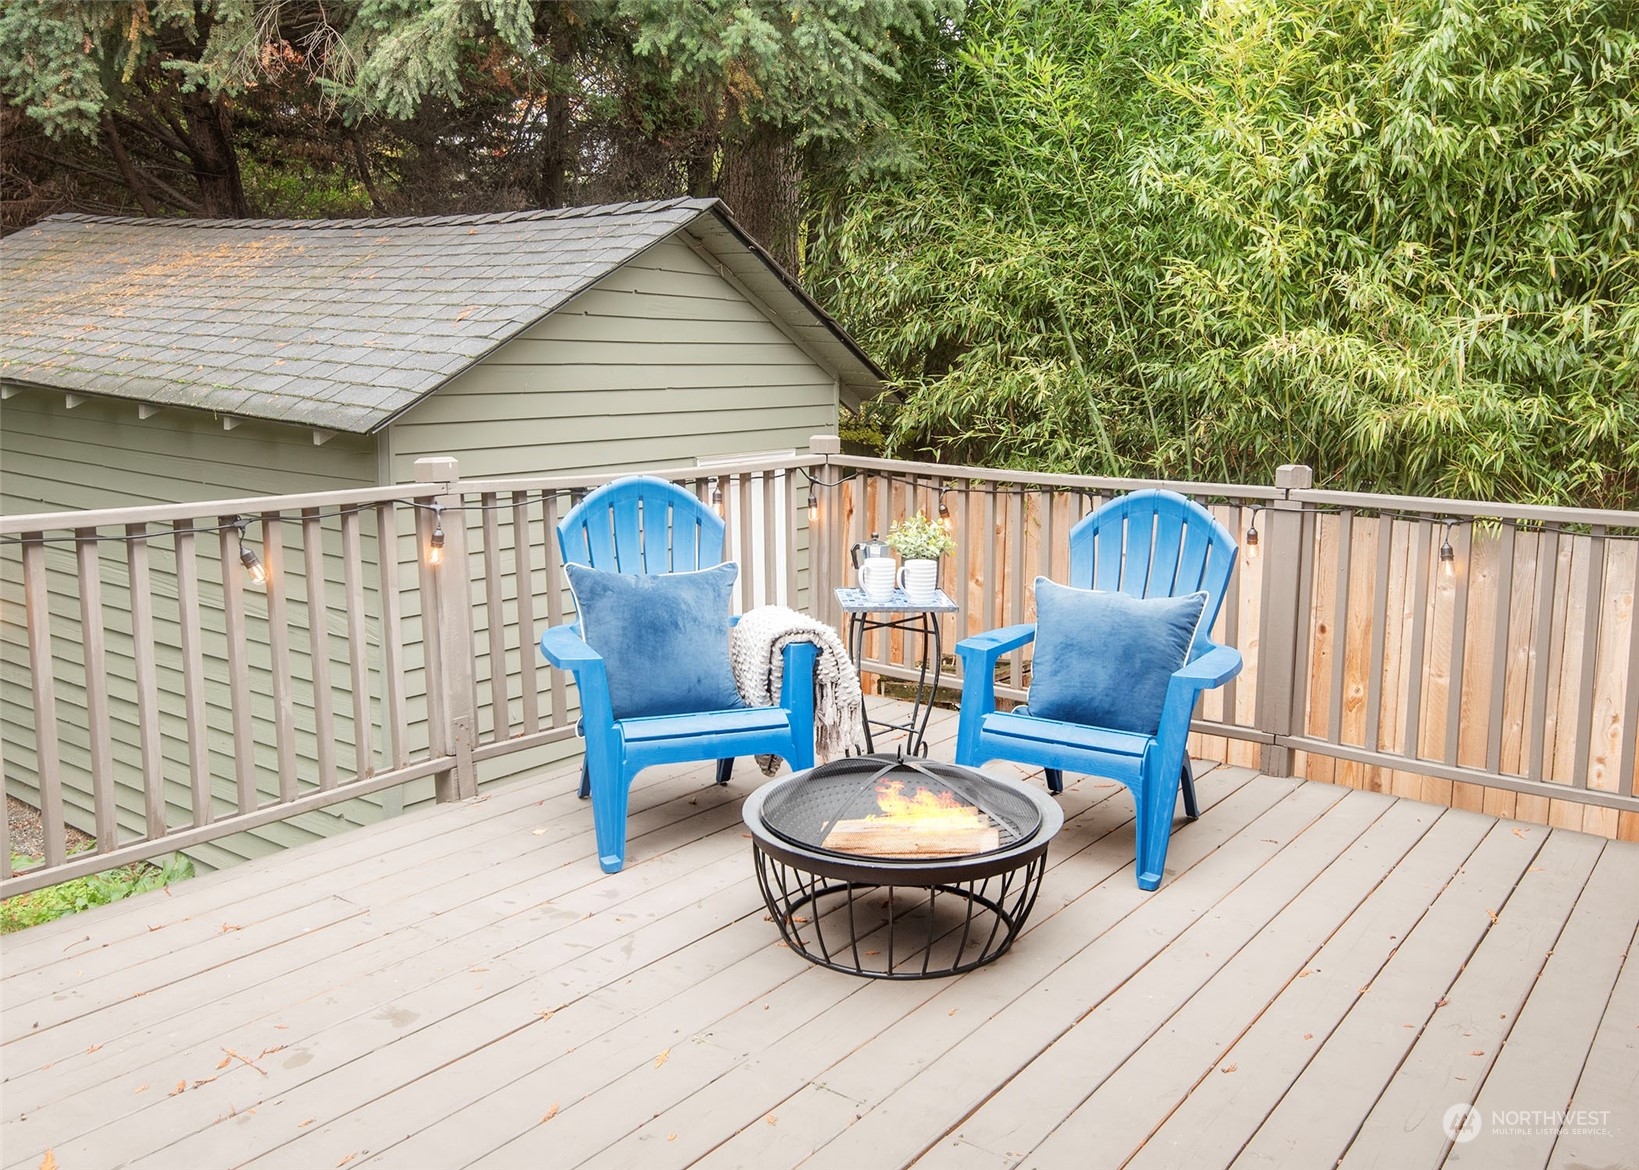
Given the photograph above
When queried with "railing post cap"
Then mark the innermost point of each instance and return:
(1294, 475)
(437, 469)
(825, 444)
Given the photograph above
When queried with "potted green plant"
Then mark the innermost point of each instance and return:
(920, 542)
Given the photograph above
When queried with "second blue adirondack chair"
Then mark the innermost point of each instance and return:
(1150, 544)
(628, 534)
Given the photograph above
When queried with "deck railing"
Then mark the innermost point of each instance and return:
(157, 695)
(188, 676)
(1480, 655)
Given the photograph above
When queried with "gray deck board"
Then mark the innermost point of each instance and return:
(463, 987)
(1547, 1046)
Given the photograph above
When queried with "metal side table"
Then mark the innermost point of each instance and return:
(900, 613)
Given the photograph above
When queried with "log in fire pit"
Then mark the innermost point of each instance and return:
(899, 869)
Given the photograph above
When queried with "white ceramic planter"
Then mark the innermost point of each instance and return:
(920, 581)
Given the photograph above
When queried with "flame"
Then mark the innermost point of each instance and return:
(934, 809)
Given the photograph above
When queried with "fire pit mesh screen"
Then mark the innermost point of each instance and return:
(898, 810)
(885, 906)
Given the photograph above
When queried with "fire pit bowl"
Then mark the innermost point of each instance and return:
(899, 869)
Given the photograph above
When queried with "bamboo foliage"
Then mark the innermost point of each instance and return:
(1394, 240)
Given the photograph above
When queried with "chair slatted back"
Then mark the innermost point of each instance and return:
(643, 526)
(1154, 543)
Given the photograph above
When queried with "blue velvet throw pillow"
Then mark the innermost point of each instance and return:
(663, 638)
(1104, 659)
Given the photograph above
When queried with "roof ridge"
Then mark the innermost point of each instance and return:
(587, 211)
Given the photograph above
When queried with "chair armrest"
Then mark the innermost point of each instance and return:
(797, 681)
(565, 649)
(1212, 669)
(992, 644)
(979, 655)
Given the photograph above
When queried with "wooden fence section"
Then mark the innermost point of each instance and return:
(162, 690)
(1474, 655)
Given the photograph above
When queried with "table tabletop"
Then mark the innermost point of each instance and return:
(853, 600)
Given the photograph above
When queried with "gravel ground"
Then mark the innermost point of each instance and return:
(27, 834)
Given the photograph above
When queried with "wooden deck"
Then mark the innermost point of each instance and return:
(1323, 974)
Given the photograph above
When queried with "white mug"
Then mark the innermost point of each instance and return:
(920, 581)
(876, 578)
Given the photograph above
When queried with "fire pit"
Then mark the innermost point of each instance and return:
(899, 869)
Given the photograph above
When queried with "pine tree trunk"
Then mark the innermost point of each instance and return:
(211, 152)
(762, 185)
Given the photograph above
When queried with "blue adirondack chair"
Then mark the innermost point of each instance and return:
(644, 526)
(1152, 543)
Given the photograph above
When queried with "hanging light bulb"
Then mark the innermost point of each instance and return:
(717, 498)
(254, 567)
(1448, 555)
(435, 544)
(944, 510)
(1252, 537)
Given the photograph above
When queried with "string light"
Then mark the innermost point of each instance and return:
(247, 555)
(435, 545)
(717, 498)
(944, 511)
(1252, 534)
(1448, 555)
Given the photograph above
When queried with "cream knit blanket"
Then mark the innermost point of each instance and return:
(756, 650)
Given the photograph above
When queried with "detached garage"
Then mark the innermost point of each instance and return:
(167, 361)
(171, 360)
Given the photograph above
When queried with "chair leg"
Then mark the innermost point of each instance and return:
(1187, 782)
(585, 779)
(725, 769)
(1055, 780)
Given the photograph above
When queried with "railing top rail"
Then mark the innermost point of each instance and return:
(1476, 509)
(346, 497)
(1233, 491)
(707, 471)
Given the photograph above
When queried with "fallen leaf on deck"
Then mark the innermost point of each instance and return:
(1229, 1068)
(181, 1087)
(537, 832)
(348, 1159)
(227, 926)
(1492, 915)
(92, 1049)
(203, 1081)
(1442, 1002)
(224, 1062)
(873, 952)
(305, 1124)
(477, 970)
(1520, 832)
(550, 1113)
(142, 1088)
(771, 1119)
(952, 1011)
(547, 1014)
(1308, 1035)
(1477, 1052)
(671, 1137)
(1306, 972)
(281, 1027)
(49, 1162)
(662, 1058)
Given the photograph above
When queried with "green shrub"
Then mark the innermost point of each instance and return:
(98, 889)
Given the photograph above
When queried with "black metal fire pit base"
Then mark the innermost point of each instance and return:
(897, 918)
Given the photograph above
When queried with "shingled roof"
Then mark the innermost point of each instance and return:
(337, 324)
